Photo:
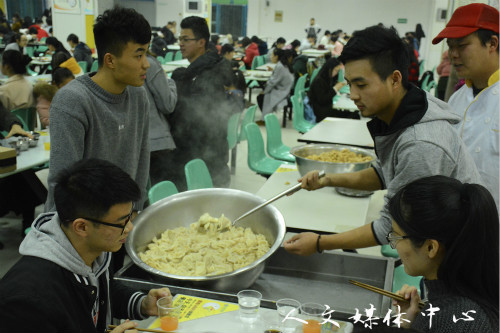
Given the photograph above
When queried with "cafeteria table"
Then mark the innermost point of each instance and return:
(30, 158)
(256, 75)
(173, 65)
(344, 103)
(266, 67)
(340, 131)
(320, 210)
(314, 53)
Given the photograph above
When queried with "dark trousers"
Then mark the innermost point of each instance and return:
(260, 100)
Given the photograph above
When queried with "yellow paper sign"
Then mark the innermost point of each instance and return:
(197, 307)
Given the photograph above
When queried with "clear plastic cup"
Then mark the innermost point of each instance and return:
(288, 308)
(312, 313)
(168, 313)
(249, 303)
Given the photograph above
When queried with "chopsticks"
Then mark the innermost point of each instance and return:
(111, 327)
(384, 292)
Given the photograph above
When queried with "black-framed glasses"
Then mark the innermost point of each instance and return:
(393, 239)
(121, 226)
(185, 39)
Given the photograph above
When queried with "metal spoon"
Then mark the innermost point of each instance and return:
(288, 191)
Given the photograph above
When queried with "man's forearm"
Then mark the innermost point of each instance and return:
(366, 179)
(353, 239)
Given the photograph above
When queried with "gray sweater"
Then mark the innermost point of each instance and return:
(450, 304)
(88, 122)
(419, 142)
(162, 95)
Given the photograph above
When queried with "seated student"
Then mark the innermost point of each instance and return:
(62, 60)
(251, 50)
(261, 45)
(63, 276)
(81, 51)
(279, 85)
(238, 87)
(214, 39)
(18, 43)
(322, 90)
(17, 92)
(61, 77)
(279, 44)
(44, 93)
(40, 33)
(11, 124)
(308, 43)
(447, 231)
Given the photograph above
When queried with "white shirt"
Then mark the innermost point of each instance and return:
(479, 129)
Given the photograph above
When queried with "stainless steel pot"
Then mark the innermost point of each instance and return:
(305, 165)
(182, 209)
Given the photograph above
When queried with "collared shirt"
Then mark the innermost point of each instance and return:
(479, 128)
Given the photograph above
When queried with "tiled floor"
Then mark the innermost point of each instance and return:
(244, 179)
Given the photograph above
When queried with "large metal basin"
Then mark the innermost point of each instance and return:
(305, 165)
(182, 209)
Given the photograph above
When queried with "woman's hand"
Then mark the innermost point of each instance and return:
(339, 86)
(16, 129)
(303, 244)
(410, 308)
(128, 326)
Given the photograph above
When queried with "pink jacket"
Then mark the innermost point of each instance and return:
(42, 107)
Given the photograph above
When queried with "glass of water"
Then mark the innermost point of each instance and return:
(249, 303)
(288, 310)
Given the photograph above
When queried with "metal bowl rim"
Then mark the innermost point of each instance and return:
(277, 243)
(295, 149)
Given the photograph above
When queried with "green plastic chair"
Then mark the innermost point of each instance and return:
(161, 190)
(197, 175)
(300, 86)
(387, 251)
(400, 278)
(95, 66)
(248, 118)
(232, 138)
(345, 89)
(30, 50)
(299, 122)
(275, 147)
(314, 73)
(28, 116)
(178, 56)
(161, 60)
(261, 60)
(83, 66)
(169, 56)
(30, 72)
(43, 39)
(41, 49)
(257, 160)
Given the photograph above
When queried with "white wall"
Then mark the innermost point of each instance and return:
(349, 16)
(169, 10)
(64, 24)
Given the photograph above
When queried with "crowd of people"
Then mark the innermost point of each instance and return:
(113, 129)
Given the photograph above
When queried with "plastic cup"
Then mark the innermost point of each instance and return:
(168, 313)
(288, 308)
(313, 314)
(249, 303)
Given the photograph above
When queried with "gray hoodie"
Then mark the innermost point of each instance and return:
(419, 142)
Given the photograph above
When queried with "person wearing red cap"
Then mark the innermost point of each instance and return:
(472, 36)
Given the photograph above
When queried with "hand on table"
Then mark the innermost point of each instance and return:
(128, 326)
(16, 129)
(148, 306)
(410, 308)
(311, 181)
(339, 85)
(303, 244)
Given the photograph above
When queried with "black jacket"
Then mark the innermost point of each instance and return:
(38, 295)
(199, 122)
(83, 53)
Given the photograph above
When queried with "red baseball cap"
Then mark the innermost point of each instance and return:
(467, 19)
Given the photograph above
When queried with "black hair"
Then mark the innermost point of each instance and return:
(3, 29)
(255, 40)
(73, 38)
(17, 16)
(226, 48)
(33, 31)
(283, 57)
(280, 40)
(464, 219)
(485, 36)
(57, 44)
(90, 187)
(58, 58)
(334, 38)
(199, 27)
(214, 39)
(245, 41)
(295, 44)
(116, 27)
(325, 73)
(27, 22)
(327, 32)
(61, 74)
(16, 60)
(383, 48)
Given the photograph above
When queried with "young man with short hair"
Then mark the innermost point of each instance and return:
(62, 283)
(81, 51)
(199, 122)
(412, 131)
(472, 37)
(104, 114)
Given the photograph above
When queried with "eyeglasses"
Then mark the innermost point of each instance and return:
(393, 239)
(121, 226)
(185, 39)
